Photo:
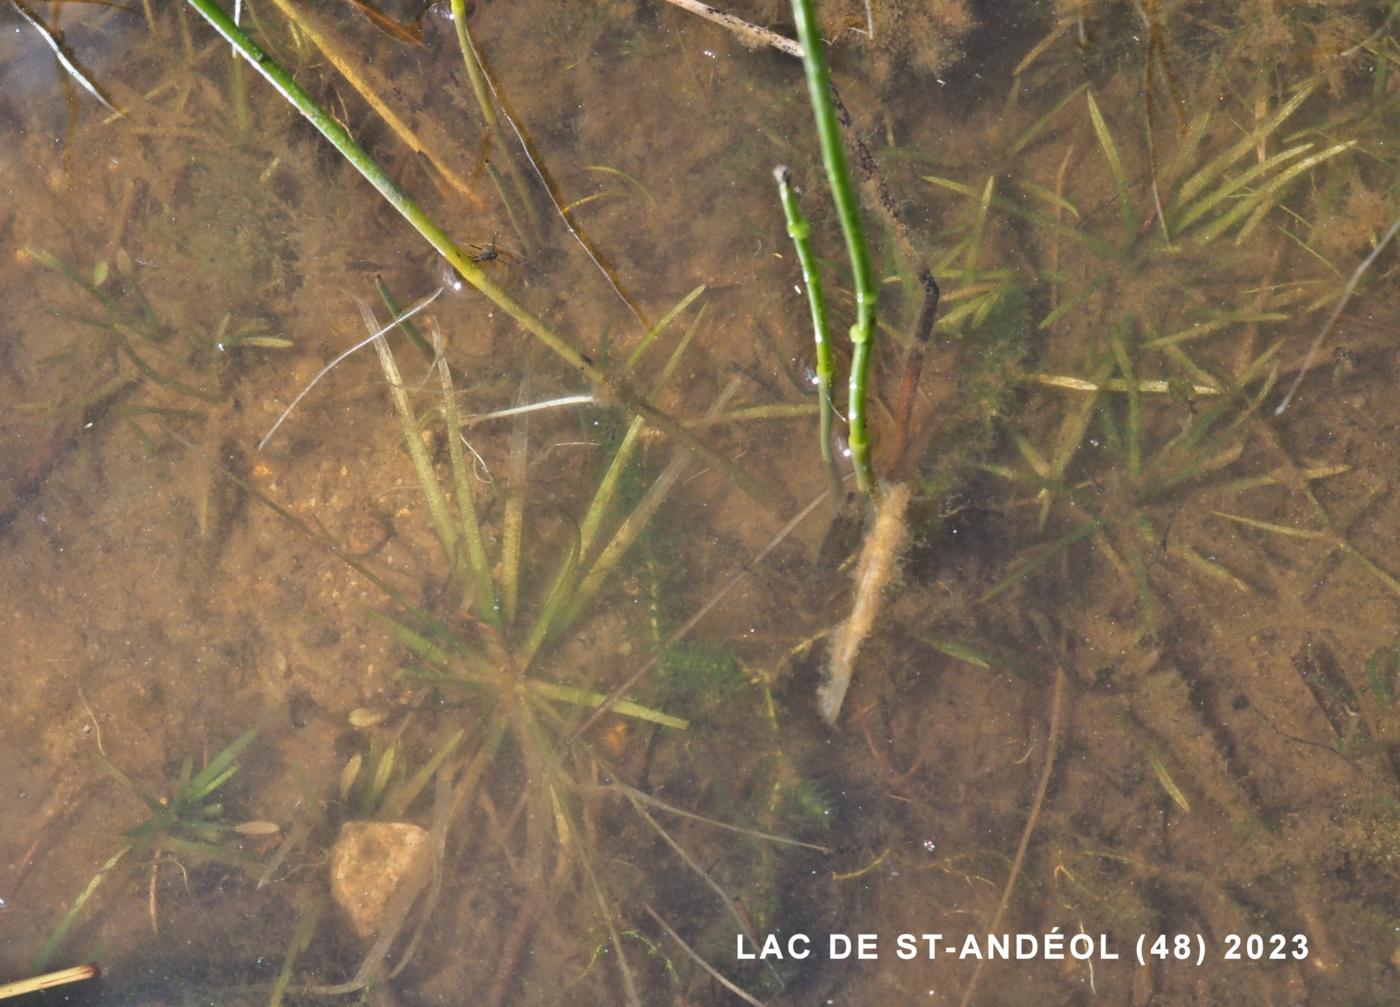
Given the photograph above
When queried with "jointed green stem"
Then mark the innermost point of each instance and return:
(847, 207)
(799, 230)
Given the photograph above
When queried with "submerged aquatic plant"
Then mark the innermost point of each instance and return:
(486, 652)
(1187, 528)
(464, 264)
(147, 350)
(191, 821)
(1132, 514)
(1164, 296)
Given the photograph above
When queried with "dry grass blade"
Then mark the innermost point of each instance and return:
(749, 34)
(1269, 526)
(1164, 777)
(375, 333)
(49, 980)
(1143, 386)
(369, 89)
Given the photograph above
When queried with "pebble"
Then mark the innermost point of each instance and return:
(370, 862)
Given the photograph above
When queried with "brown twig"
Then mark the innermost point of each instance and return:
(48, 980)
(913, 368)
(749, 34)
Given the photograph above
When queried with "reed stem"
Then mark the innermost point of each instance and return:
(799, 230)
(843, 193)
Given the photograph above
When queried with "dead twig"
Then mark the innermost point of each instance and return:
(750, 35)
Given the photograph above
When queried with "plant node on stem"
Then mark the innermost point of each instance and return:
(843, 193)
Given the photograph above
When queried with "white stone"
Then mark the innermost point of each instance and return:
(370, 863)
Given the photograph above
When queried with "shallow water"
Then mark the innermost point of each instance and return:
(1140, 658)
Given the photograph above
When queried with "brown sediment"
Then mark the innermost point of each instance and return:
(878, 558)
(48, 452)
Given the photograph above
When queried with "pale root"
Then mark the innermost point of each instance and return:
(878, 559)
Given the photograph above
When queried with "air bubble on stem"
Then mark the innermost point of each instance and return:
(451, 282)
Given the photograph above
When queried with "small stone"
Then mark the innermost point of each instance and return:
(370, 863)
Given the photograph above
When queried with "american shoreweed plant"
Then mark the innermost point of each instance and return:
(192, 821)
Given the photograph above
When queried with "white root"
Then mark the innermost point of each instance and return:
(878, 559)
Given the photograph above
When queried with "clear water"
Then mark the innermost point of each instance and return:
(1146, 634)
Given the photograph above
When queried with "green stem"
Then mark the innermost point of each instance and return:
(514, 518)
(843, 193)
(474, 74)
(406, 324)
(799, 230)
(459, 260)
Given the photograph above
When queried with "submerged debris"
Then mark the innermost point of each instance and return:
(878, 557)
